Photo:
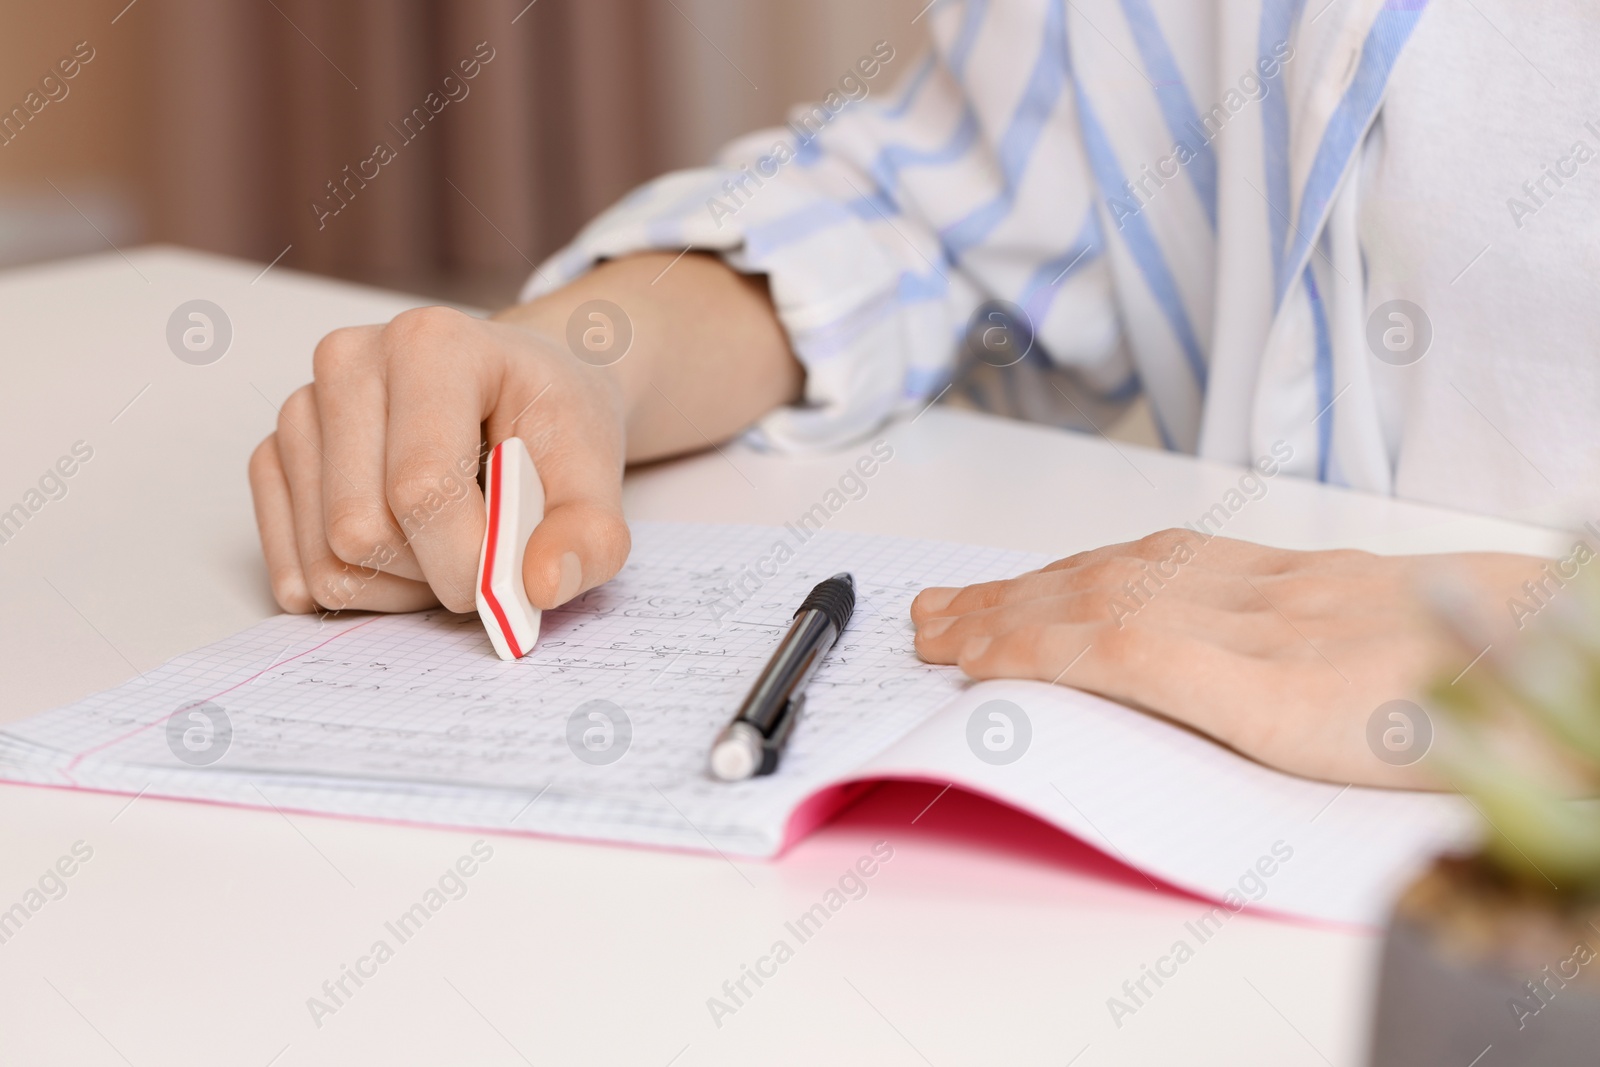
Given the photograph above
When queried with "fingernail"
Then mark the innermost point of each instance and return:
(571, 578)
(935, 598)
(974, 648)
(934, 627)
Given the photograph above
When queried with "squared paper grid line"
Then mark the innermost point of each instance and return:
(413, 718)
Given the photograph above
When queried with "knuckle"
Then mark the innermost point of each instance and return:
(358, 535)
(610, 537)
(299, 410)
(1113, 571)
(332, 585)
(980, 597)
(426, 326)
(338, 351)
(290, 592)
(416, 486)
(1015, 591)
(1067, 563)
(264, 459)
(1044, 585)
(1162, 543)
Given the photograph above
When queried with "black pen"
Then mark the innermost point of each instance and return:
(753, 741)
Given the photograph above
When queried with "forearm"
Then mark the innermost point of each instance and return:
(708, 356)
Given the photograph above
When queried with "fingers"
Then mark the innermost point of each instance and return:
(1155, 559)
(1117, 585)
(1280, 655)
(1131, 575)
(1215, 620)
(1143, 667)
(353, 409)
(275, 522)
(941, 639)
(1170, 671)
(330, 582)
(441, 386)
(368, 493)
(942, 601)
(1044, 651)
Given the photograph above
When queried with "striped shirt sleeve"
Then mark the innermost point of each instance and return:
(884, 220)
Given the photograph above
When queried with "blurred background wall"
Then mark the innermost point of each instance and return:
(219, 124)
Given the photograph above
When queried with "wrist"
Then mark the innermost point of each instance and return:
(704, 356)
(559, 319)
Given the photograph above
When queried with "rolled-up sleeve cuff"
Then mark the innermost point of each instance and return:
(839, 293)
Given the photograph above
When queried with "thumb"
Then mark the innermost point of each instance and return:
(577, 546)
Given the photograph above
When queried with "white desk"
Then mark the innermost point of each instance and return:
(196, 934)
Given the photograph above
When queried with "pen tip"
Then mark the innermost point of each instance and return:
(846, 577)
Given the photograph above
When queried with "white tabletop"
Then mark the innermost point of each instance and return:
(196, 934)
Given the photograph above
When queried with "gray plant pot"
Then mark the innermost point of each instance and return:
(1478, 973)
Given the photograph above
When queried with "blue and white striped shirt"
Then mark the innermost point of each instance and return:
(1164, 189)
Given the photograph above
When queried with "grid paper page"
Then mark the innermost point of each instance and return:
(413, 718)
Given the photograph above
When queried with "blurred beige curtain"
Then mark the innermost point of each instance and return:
(261, 104)
(256, 106)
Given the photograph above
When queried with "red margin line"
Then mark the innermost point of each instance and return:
(80, 757)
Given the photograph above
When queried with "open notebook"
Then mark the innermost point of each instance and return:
(603, 731)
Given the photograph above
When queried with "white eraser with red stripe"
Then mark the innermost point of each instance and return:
(515, 498)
